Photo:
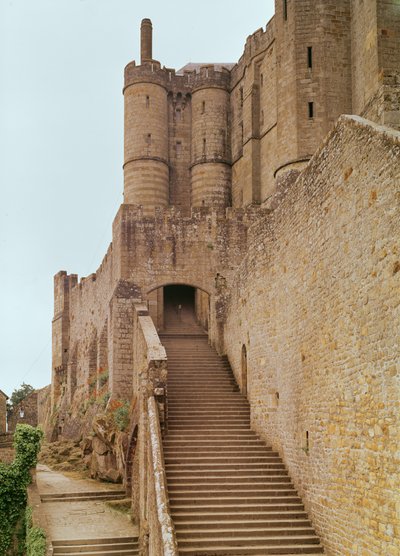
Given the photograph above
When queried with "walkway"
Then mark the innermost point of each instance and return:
(78, 521)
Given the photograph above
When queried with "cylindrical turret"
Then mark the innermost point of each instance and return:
(146, 169)
(146, 41)
(210, 168)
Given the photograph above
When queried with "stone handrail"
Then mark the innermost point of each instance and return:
(149, 490)
(163, 540)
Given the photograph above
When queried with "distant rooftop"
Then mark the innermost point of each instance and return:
(196, 67)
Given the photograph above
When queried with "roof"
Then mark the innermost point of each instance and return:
(5, 395)
(196, 67)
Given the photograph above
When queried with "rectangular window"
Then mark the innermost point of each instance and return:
(204, 147)
(148, 140)
(147, 102)
(309, 56)
(241, 96)
(310, 109)
(178, 148)
(262, 79)
(285, 10)
(203, 107)
(178, 114)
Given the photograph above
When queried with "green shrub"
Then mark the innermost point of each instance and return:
(35, 537)
(104, 399)
(103, 378)
(121, 416)
(14, 480)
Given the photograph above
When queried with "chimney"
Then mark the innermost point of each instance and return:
(146, 41)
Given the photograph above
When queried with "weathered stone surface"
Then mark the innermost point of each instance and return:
(309, 285)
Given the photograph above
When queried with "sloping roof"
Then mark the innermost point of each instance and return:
(196, 67)
(5, 395)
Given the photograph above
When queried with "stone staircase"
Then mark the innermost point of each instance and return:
(229, 493)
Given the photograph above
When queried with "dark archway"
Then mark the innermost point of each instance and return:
(244, 371)
(179, 307)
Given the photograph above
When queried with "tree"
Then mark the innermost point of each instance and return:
(20, 394)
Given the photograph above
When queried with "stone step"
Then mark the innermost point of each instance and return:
(221, 433)
(244, 540)
(256, 532)
(225, 517)
(198, 444)
(84, 496)
(214, 510)
(208, 427)
(100, 547)
(235, 524)
(207, 480)
(225, 406)
(197, 397)
(263, 493)
(205, 422)
(243, 499)
(263, 550)
(221, 459)
(226, 467)
(223, 401)
(175, 486)
(244, 436)
(221, 451)
(218, 475)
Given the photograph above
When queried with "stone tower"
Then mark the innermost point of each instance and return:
(146, 168)
(211, 160)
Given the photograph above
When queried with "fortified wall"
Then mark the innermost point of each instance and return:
(309, 329)
(239, 184)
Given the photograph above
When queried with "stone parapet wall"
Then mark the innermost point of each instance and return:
(316, 303)
(149, 490)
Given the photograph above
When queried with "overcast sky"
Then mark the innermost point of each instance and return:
(61, 140)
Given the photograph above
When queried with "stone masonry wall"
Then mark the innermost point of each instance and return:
(316, 303)
(3, 412)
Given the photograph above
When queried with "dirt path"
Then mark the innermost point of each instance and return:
(75, 510)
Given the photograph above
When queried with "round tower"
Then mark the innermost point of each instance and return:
(146, 170)
(211, 157)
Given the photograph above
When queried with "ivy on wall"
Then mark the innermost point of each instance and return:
(35, 537)
(14, 480)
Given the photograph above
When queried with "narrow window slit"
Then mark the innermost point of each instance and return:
(309, 56)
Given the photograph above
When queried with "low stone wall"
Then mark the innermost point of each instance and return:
(316, 305)
(6, 448)
(149, 493)
(162, 539)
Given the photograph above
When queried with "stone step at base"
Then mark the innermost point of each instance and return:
(264, 550)
(279, 534)
(245, 540)
(124, 546)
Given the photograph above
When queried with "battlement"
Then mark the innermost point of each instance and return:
(255, 44)
(209, 76)
(206, 76)
(148, 72)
